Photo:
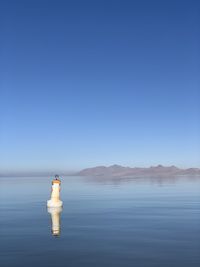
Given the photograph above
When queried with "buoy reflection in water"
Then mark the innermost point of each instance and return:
(55, 220)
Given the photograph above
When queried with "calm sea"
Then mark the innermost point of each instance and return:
(103, 223)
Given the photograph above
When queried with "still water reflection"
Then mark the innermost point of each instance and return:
(146, 222)
(55, 220)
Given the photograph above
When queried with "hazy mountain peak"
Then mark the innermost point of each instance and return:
(121, 171)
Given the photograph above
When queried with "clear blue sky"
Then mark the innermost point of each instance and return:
(87, 83)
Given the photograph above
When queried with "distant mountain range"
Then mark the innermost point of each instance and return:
(120, 171)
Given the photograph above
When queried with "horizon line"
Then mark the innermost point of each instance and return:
(36, 173)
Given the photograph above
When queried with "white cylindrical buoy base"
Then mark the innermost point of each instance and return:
(54, 204)
(55, 201)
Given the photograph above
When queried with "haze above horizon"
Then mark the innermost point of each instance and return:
(90, 83)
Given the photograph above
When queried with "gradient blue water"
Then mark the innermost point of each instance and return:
(135, 222)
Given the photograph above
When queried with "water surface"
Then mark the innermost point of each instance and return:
(104, 222)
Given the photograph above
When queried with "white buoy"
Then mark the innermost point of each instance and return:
(55, 201)
(55, 220)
